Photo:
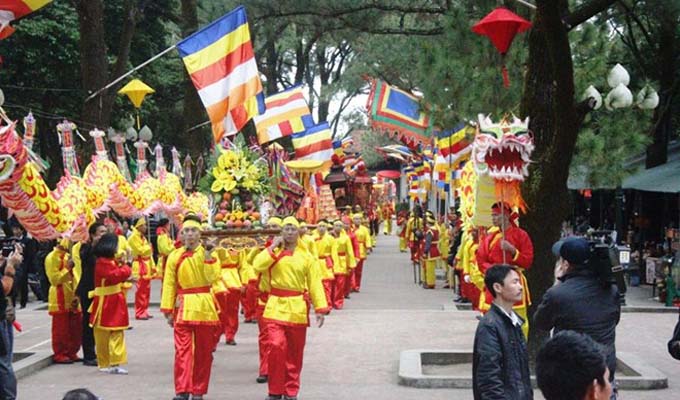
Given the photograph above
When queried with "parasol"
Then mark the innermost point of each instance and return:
(136, 90)
(388, 174)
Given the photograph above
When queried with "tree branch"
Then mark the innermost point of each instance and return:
(585, 12)
(631, 15)
(343, 12)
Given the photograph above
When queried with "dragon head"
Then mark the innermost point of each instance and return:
(12, 151)
(503, 150)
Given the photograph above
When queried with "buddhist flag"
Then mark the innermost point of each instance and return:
(220, 60)
(11, 10)
(314, 144)
(453, 147)
(286, 113)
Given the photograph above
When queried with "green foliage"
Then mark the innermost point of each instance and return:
(368, 142)
(607, 145)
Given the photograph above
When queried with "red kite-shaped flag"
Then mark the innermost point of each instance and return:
(500, 26)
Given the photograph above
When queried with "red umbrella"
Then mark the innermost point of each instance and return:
(389, 174)
(500, 26)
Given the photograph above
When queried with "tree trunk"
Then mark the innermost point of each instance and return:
(270, 71)
(198, 140)
(324, 78)
(548, 99)
(93, 62)
(657, 151)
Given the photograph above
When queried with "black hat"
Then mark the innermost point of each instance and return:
(573, 249)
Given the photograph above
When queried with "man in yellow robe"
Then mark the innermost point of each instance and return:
(189, 307)
(143, 267)
(327, 255)
(365, 244)
(63, 305)
(294, 282)
(344, 264)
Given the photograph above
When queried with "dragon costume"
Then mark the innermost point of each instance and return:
(499, 163)
(76, 202)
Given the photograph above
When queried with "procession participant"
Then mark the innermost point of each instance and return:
(292, 278)
(444, 237)
(421, 246)
(83, 273)
(143, 268)
(506, 243)
(63, 305)
(356, 249)
(262, 297)
(227, 291)
(414, 232)
(364, 239)
(124, 251)
(306, 239)
(401, 223)
(327, 256)
(430, 252)
(248, 285)
(164, 246)
(473, 279)
(387, 212)
(108, 312)
(189, 308)
(372, 223)
(346, 262)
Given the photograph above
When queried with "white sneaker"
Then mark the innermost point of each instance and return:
(104, 370)
(118, 371)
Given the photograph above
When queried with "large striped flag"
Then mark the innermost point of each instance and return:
(287, 113)
(221, 63)
(11, 10)
(453, 147)
(314, 144)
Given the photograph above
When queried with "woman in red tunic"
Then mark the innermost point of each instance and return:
(108, 312)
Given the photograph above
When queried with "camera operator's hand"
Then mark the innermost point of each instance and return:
(16, 257)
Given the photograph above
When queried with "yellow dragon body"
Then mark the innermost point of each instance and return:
(77, 202)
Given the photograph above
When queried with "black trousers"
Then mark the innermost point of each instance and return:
(88, 335)
(21, 287)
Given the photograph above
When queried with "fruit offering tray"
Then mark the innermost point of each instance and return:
(239, 238)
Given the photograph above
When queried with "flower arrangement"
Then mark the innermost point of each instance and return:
(237, 179)
(237, 170)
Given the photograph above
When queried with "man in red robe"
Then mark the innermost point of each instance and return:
(506, 243)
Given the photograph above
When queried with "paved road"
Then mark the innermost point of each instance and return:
(354, 356)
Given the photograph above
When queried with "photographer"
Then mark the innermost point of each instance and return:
(8, 266)
(27, 265)
(582, 300)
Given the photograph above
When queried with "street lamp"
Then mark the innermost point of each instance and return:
(620, 96)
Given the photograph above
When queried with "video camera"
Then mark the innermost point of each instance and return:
(7, 245)
(608, 259)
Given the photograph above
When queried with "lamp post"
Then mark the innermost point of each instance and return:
(620, 96)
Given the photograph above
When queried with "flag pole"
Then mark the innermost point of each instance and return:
(130, 72)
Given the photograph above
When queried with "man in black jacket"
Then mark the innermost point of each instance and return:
(580, 301)
(500, 364)
(86, 284)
